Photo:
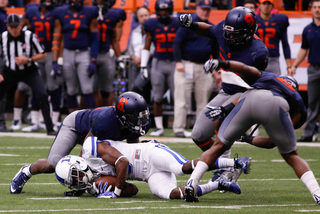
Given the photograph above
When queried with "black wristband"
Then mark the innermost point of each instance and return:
(228, 108)
(194, 26)
(224, 64)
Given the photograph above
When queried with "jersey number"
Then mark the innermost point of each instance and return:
(103, 29)
(163, 38)
(76, 24)
(266, 34)
(40, 26)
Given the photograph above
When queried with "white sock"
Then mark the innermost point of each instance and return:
(35, 117)
(26, 170)
(197, 173)
(207, 188)
(311, 182)
(17, 113)
(55, 117)
(159, 122)
(224, 162)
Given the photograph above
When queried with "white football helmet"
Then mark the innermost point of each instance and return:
(73, 172)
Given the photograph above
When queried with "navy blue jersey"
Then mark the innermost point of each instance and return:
(162, 37)
(272, 31)
(280, 87)
(3, 20)
(311, 41)
(104, 124)
(76, 26)
(106, 27)
(41, 25)
(254, 54)
(194, 48)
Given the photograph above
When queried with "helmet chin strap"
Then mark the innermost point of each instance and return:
(142, 132)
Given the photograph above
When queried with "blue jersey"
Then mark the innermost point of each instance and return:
(41, 25)
(76, 26)
(254, 54)
(311, 41)
(194, 48)
(280, 87)
(104, 124)
(3, 20)
(272, 31)
(106, 27)
(162, 37)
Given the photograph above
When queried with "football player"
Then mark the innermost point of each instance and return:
(128, 120)
(161, 31)
(272, 28)
(110, 30)
(237, 41)
(79, 26)
(140, 161)
(277, 95)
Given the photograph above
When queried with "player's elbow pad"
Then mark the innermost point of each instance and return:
(145, 54)
(94, 44)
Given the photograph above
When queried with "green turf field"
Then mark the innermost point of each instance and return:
(271, 187)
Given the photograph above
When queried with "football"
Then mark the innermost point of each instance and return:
(128, 190)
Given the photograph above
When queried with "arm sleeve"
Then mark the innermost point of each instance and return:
(284, 40)
(305, 43)
(36, 44)
(177, 51)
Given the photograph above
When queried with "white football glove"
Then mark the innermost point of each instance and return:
(144, 72)
(210, 65)
(185, 20)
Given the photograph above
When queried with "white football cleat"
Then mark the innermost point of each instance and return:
(157, 133)
(32, 128)
(16, 125)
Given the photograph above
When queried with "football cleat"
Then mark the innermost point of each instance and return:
(18, 181)
(235, 174)
(16, 125)
(244, 163)
(226, 185)
(32, 128)
(157, 133)
(316, 197)
(217, 174)
(189, 192)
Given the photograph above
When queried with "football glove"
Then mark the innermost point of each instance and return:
(120, 63)
(185, 20)
(103, 188)
(107, 195)
(144, 73)
(214, 113)
(92, 68)
(210, 65)
(56, 70)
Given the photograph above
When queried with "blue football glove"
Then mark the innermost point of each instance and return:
(56, 70)
(214, 113)
(103, 188)
(107, 195)
(92, 68)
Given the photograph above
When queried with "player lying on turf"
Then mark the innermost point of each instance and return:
(272, 101)
(152, 162)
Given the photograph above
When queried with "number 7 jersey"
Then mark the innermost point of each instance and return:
(162, 37)
(76, 26)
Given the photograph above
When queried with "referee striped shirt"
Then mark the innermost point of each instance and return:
(27, 44)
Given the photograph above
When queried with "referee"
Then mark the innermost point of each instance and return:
(20, 49)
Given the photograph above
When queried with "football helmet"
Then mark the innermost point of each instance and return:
(107, 4)
(133, 112)
(48, 4)
(76, 4)
(166, 5)
(291, 80)
(73, 172)
(239, 27)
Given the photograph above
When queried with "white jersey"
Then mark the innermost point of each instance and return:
(144, 158)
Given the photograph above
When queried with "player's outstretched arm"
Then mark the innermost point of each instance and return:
(200, 28)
